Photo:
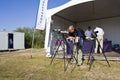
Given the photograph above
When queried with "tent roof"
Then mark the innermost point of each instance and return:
(53, 11)
(92, 10)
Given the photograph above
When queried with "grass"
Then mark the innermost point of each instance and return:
(19, 66)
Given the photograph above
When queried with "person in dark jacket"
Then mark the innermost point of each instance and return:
(78, 34)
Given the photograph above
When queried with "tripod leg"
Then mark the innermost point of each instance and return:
(103, 53)
(75, 56)
(91, 62)
(53, 56)
(92, 49)
(64, 58)
(64, 55)
(78, 57)
(106, 59)
(89, 58)
(72, 57)
(69, 60)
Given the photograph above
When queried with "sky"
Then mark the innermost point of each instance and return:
(21, 13)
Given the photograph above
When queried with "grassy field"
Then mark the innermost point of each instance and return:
(18, 65)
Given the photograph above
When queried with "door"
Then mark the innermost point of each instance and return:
(10, 40)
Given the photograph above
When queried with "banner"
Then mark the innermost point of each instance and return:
(41, 17)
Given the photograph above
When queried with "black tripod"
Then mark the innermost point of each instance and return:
(60, 42)
(91, 57)
(74, 55)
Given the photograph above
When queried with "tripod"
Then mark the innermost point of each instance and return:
(75, 56)
(58, 43)
(91, 57)
(61, 43)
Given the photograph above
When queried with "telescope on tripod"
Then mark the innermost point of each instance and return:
(61, 41)
(91, 57)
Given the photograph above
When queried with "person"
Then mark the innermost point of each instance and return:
(79, 34)
(88, 33)
(99, 35)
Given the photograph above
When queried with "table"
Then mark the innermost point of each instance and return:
(87, 45)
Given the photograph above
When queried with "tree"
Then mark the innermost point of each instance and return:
(38, 37)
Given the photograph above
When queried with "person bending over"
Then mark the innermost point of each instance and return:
(79, 35)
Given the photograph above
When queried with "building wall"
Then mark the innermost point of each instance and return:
(18, 40)
(111, 27)
(3, 40)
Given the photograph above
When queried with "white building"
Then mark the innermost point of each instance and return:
(11, 40)
(84, 13)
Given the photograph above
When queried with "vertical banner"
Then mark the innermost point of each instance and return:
(41, 17)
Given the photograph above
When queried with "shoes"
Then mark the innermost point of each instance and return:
(78, 64)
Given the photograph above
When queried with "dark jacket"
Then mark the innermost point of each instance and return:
(77, 33)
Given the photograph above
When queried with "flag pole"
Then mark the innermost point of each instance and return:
(32, 45)
(34, 29)
(40, 20)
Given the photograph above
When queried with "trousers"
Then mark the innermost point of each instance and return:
(100, 40)
(75, 50)
(78, 54)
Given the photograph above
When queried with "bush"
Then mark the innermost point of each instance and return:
(38, 37)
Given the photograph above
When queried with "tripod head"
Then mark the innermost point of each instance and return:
(59, 31)
(59, 34)
(94, 34)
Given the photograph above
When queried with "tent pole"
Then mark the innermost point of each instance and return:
(32, 45)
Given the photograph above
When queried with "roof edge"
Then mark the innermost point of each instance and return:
(53, 11)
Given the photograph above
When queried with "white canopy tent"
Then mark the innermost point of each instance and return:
(84, 13)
